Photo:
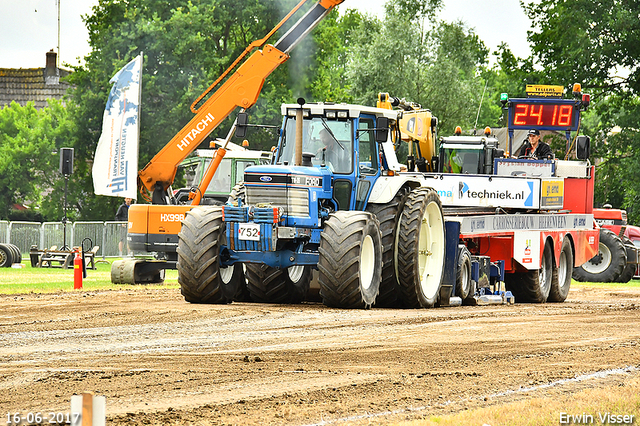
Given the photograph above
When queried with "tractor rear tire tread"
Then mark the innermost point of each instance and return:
(616, 267)
(271, 285)
(388, 216)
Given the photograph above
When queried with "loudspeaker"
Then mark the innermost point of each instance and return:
(66, 161)
(583, 147)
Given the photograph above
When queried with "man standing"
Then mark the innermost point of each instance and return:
(122, 215)
(534, 147)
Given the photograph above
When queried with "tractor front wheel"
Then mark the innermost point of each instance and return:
(350, 264)
(271, 285)
(199, 243)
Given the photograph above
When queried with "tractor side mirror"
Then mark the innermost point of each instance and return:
(583, 147)
(241, 124)
(382, 129)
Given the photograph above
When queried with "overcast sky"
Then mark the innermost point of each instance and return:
(29, 28)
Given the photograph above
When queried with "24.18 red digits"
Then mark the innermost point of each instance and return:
(548, 115)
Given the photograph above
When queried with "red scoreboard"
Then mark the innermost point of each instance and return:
(544, 114)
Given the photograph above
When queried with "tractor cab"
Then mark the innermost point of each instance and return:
(341, 139)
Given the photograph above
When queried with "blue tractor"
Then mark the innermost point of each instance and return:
(334, 199)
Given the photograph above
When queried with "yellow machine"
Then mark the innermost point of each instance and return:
(154, 228)
(417, 127)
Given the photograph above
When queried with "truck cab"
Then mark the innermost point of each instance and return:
(229, 173)
(468, 154)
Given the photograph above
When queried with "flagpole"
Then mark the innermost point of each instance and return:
(58, 57)
(139, 111)
(116, 174)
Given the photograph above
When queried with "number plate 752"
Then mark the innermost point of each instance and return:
(249, 231)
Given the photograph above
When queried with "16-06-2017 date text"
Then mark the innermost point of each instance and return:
(43, 418)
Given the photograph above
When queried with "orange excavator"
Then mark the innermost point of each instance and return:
(153, 228)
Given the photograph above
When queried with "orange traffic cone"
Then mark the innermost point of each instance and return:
(77, 271)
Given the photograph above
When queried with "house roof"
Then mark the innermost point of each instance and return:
(33, 84)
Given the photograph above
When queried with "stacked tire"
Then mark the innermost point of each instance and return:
(9, 254)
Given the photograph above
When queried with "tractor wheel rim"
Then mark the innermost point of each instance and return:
(226, 274)
(605, 255)
(295, 273)
(367, 262)
(430, 250)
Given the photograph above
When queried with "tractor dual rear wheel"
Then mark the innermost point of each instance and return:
(17, 256)
(350, 264)
(6, 256)
(420, 252)
(388, 215)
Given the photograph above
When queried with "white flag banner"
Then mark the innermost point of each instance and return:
(115, 165)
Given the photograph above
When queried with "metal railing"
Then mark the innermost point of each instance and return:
(105, 235)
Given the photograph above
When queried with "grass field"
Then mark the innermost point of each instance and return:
(616, 400)
(632, 284)
(53, 280)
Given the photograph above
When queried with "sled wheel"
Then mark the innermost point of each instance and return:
(533, 286)
(561, 279)
(463, 275)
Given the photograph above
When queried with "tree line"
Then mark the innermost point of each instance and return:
(349, 57)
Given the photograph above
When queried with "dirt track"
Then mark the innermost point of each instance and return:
(159, 360)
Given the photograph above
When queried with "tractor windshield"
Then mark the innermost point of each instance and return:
(330, 140)
(193, 171)
(460, 159)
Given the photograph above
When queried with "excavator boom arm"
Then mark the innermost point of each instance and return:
(241, 89)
